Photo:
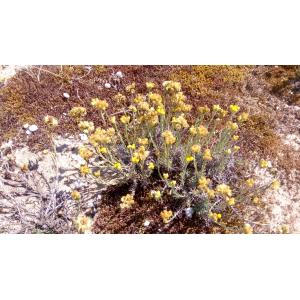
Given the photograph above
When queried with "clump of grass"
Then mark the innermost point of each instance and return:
(154, 145)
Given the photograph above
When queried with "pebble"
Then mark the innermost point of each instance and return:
(33, 128)
(189, 212)
(28, 132)
(119, 74)
(83, 136)
(66, 95)
(25, 126)
(107, 85)
(146, 223)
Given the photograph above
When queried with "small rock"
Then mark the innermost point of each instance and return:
(119, 74)
(107, 85)
(33, 128)
(146, 223)
(83, 136)
(66, 95)
(189, 212)
(25, 126)
(28, 132)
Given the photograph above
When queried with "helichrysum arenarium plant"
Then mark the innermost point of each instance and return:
(156, 143)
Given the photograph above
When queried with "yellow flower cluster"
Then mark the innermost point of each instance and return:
(203, 109)
(234, 108)
(166, 215)
(102, 136)
(99, 104)
(248, 228)
(224, 190)
(207, 155)
(172, 86)
(155, 194)
(120, 98)
(85, 170)
(77, 112)
(243, 117)
(263, 164)
(86, 126)
(203, 183)
(75, 195)
(202, 131)
(51, 121)
(130, 88)
(179, 122)
(140, 155)
(232, 125)
(250, 182)
(196, 148)
(125, 119)
(150, 85)
(85, 153)
(169, 137)
(127, 201)
(215, 216)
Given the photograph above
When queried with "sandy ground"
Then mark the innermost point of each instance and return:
(283, 205)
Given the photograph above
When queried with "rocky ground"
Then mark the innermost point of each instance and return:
(23, 207)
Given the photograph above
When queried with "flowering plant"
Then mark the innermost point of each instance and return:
(157, 145)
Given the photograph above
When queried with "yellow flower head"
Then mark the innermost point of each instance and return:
(113, 120)
(75, 195)
(102, 150)
(236, 148)
(228, 151)
(193, 130)
(169, 137)
(172, 86)
(133, 108)
(85, 153)
(150, 85)
(117, 166)
(263, 163)
(196, 148)
(214, 216)
(130, 88)
(86, 126)
(172, 183)
(189, 159)
(210, 193)
(243, 117)
(143, 141)
(250, 182)
(160, 110)
(203, 109)
(120, 98)
(155, 98)
(179, 122)
(135, 159)
(84, 170)
(127, 201)
(232, 125)
(165, 176)
(224, 190)
(275, 184)
(50, 121)
(234, 108)
(248, 228)
(284, 229)
(155, 194)
(83, 224)
(203, 182)
(151, 166)
(77, 112)
(230, 201)
(131, 147)
(207, 155)
(97, 174)
(255, 200)
(235, 137)
(99, 104)
(166, 215)
(217, 108)
(125, 119)
(202, 131)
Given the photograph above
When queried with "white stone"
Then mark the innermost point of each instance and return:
(28, 132)
(107, 85)
(146, 223)
(83, 136)
(189, 212)
(25, 126)
(66, 95)
(33, 128)
(119, 74)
